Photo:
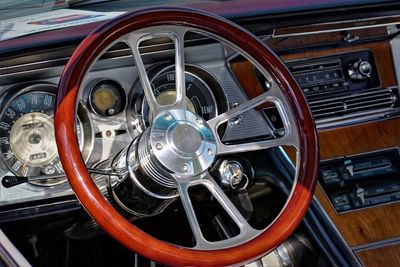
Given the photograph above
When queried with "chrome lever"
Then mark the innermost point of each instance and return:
(10, 181)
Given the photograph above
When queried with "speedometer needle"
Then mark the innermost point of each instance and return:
(33, 122)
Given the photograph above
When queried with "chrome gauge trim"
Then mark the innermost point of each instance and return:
(32, 136)
(195, 71)
(84, 126)
(12, 95)
(138, 104)
(87, 143)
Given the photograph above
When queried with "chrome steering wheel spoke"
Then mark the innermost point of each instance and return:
(177, 36)
(273, 95)
(246, 231)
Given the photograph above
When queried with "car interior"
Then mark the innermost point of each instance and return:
(199, 133)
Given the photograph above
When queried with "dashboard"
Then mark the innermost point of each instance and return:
(111, 113)
(348, 72)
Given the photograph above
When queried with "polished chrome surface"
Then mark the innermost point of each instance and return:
(178, 147)
(273, 95)
(246, 232)
(182, 142)
(357, 25)
(179, 142)
(130, 159)
(177, 35)
(150, 164)
(395, 47)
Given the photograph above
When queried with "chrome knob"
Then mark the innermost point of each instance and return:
(365, 68)
(360, 70)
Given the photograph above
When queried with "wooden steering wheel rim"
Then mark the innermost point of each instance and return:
(103, 212)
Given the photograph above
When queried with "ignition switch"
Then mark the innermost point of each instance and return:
(235, 174)
(232, 175)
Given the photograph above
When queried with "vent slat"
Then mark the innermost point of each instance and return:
(368, 102)
(355, 103)
(387, 95)
(378, 105)
(349, 98)
(359, 103)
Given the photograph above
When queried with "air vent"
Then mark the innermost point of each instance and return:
(361, 102)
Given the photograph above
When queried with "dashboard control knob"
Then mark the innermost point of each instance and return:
(360, 193)
(360, 70)
(349, 167)
(365, 68)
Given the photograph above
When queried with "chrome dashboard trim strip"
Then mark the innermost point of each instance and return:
(377, 244)
(9, 254)
(349, 28)
(395, 47)
(357, 118)
(332, 226)
(274, 34)
(111, 54)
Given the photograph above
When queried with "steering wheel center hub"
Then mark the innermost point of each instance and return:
(182, 142)
(186, 138)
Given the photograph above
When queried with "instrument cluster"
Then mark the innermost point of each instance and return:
(110, 116)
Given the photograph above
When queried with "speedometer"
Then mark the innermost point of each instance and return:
(27, 140)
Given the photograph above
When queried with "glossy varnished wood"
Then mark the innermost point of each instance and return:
(359, 138)
(345, 140)
(361, 226)
(383, 257)
(365, 225)
(245, 74)
(114, 223)
(381, 50)
(371, 224)
(322, 40)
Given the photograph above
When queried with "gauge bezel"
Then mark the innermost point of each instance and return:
(90, 88)
(48, 88)
(137, 103)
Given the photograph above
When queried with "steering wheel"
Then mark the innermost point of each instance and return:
(174, 123)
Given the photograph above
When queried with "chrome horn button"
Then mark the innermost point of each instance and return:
(182, 142)
(186, 139)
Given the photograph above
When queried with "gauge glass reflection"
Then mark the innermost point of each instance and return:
(199, 97)
(107, 98)
(27, 140)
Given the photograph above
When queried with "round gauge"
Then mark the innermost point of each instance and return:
(200, 98)
(107, 98)
(27, 140)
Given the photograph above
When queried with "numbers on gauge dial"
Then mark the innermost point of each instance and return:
(27, 141)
